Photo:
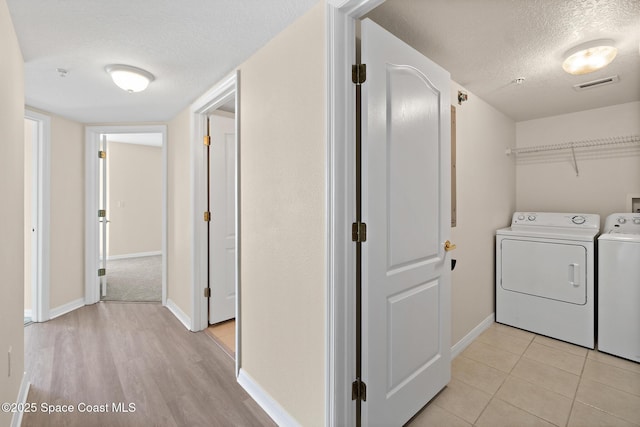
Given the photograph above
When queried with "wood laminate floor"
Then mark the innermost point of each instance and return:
(136, 356)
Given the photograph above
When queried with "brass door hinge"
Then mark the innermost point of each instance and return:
(102, 154)
(207, 216)
(359, 232)
(102, 213)
(207, 140)
(207, 292)
(359, 390)
(102, 272)
(359, 73)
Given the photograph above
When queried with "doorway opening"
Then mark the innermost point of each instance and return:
(216, 238)
(131, 187)
(36, 216)
(127, 225)
(221, 201)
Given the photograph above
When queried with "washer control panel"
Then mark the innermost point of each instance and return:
(625, 223)
(549, 219)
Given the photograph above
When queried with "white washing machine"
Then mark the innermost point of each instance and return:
(545, 275)
(619, 286)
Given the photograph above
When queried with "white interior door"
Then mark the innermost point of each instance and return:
(102, 215)
(222, 249)
(406, 205)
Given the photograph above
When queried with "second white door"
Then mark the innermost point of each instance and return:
(406, 205)
(222, 246)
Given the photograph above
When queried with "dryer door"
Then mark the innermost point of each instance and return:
(550, 270)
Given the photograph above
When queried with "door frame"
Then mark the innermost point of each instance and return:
(341, 16)
(220, 94)
(40, 214)
(92, 182)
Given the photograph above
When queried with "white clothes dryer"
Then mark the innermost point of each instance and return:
(619, 286)
(545, 281)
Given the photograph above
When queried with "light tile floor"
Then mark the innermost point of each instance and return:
(513, 378)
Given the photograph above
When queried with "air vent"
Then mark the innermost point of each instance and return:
(597, 83)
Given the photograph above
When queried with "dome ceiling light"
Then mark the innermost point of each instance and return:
(588, 57)
(128, 78)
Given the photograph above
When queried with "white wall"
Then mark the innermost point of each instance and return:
(134, 206)
(282, 143)
(486, 199)
(11, 213)
(548, 182)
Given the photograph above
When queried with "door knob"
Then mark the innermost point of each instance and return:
(448, 246)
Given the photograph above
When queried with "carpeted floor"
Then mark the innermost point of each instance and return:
(134, 279)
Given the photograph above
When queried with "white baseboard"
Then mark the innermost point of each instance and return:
(475, 333)
(136, 255)
(66, 308)
(181, 315)
(266, 402)
(16, 420)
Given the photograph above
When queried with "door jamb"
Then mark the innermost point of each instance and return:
(92, 137)
(221, 93)
(341, 16)
(41, 159)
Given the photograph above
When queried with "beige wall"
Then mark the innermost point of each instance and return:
(12, 212)
(67, 211)
(486, 199)
(134, 198)
(179, 214)
(282, 209)
(606, 175)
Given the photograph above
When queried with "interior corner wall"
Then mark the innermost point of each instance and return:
(12, 213)
(67, 213)
(282, 152)
(486, 198)
(179, 212)
(134, 176)
(606, 175)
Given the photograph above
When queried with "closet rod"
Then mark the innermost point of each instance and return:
(615, 140)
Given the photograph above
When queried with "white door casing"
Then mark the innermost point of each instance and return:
(102, 219)
(222, 245)
(406, 205)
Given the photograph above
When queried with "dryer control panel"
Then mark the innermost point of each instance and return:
(553, 219)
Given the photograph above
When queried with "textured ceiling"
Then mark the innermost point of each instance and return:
(191, 45)
(188, 46)
(486, 44)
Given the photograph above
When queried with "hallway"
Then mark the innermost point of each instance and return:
(136, 357)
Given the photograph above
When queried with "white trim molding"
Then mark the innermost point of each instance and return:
(66, 308)
(277, 413)
(459, 347)
(340, 54)
(16, 419)
(181, 315)
(92, 139)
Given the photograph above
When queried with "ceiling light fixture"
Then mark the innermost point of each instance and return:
(588, 57)
(131, 79)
